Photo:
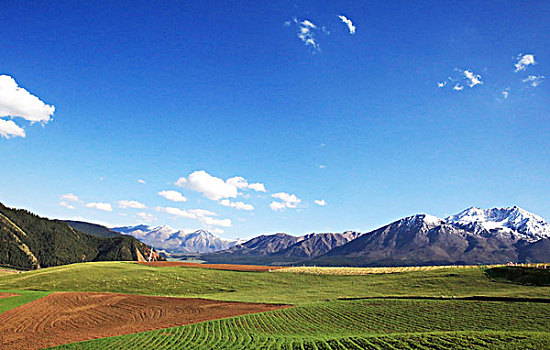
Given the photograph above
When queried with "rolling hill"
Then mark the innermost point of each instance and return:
(28, 242)
(93, 229)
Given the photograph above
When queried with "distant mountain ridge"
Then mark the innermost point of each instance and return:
(175, 241)
(281, 248)
(473, 236)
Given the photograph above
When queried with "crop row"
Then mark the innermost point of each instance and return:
(342, 324)
(432, 341)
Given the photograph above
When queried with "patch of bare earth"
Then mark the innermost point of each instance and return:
(8, 295)
(232, 267)
(62, 318)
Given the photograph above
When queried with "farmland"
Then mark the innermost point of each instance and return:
(341, 324)
(411, 307)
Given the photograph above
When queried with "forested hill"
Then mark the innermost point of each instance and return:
(28, 241)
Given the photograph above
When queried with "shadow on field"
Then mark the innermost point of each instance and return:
(474, 297)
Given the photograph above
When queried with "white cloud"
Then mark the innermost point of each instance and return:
(202, 212)
(308, 24)
(66, 205)
(18, 102)
(142, 181)
(237, 205)
(130, 204)
(474, 79)
(506, 93)
(348, 22)
(306, 33)
(100, 206)
(215, 188)
(8, 129)
(216, 231)
(146, 217)
(524, 61)
(238, 182)
(209, 221)
(322, 166)
(203, 216)
(288, 201)
(321, 202)
(277, 205)
(69, 197)
(177, 212)
(173, 196)
(534, 80)
(461, 78)
(258, 187)
(211, 187)
(458, 87)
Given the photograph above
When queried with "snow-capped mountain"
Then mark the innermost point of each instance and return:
(177, 241)
(474, 236)
(514, 221)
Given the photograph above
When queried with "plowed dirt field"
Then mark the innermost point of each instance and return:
(61, 318)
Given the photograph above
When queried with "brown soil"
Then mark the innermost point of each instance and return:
(248, 268)
(62, 318)
(7, 295)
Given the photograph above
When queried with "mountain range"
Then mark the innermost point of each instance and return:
(174, 242)
(473, 236)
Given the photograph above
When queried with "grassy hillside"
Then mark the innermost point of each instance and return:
(357, 324)
(28, 241)
(320, 319)
(276, 287)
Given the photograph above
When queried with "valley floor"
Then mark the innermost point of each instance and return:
(409, 309)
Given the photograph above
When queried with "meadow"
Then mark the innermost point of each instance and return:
(422, 308)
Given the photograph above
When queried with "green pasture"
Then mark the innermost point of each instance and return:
(320, 318)
(271, 287)
(374, 323)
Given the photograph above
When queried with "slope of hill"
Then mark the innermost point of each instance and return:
(28, 241)
(92, 229)
(175, 241)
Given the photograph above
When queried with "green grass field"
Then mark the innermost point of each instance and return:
(23, 298)
(349, 324)
(293, 288)
(318, 320)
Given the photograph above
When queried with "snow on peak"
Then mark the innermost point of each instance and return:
(426, 219)
(529, 226)
(172, 240)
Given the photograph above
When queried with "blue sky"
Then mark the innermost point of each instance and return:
(207, 91)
